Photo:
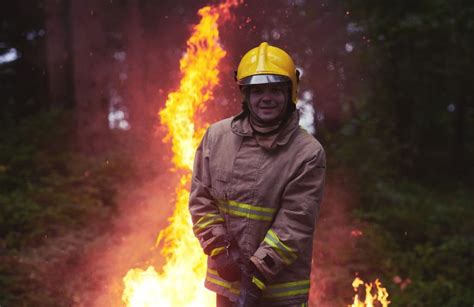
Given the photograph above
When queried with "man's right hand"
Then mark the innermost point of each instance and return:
(251, 287)
(226, 262)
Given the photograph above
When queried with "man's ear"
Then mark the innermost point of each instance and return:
(298, 74)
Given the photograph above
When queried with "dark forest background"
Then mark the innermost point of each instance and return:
(391, 81)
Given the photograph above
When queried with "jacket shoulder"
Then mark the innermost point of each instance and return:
(220, 128)
(307, 144)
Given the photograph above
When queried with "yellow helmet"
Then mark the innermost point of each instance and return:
(267, 64)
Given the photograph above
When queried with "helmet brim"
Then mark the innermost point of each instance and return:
(263, 79)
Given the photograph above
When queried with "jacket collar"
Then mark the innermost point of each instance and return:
(240, 125)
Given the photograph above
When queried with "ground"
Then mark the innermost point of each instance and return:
(91, 274)
(334, 246)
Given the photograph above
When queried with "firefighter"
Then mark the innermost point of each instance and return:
(256, 189)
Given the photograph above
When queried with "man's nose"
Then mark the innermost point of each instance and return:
(267, 95)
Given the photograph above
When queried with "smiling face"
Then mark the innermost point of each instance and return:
(268, 101)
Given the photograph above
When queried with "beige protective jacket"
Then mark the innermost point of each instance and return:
(265, 197)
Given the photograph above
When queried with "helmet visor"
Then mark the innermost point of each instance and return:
(263, 79)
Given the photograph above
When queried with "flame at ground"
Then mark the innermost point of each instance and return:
(181, 280)
(380, 296)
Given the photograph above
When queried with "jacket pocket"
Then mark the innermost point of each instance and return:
(220, 180)
(222, 175)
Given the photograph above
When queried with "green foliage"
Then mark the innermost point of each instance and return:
(419, 230)
(409, 143)
(428, 238)
(48, 190)
(416, 58)
(21, 286)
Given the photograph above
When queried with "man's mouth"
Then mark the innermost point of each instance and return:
(267, 107)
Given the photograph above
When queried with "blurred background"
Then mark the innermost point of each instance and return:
(83, 168)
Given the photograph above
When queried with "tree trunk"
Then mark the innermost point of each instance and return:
(459, 152)
(58, 53)
(141, 115)
(90, 74)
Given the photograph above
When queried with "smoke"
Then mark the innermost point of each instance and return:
(306, 110)
(129, 242)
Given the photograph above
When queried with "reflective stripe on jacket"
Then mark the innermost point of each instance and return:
(267, 199)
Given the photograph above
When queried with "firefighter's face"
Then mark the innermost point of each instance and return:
(268, 101)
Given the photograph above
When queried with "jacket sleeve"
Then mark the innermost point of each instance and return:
(208, 224)
(292, 230)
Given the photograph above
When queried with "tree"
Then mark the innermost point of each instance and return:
(90, 74)
(418, 57)
(58, 53)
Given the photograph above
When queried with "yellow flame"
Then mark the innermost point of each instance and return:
(181, 280)
(380, 296)
(200, 75)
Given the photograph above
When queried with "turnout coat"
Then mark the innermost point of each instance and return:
(266, 197)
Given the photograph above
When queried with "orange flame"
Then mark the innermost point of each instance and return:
(381, 296)
(180, 283)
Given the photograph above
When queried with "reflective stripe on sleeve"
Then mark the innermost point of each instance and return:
(214, 278)
(271, 292)
(245, 210)
(285, 252)
(206, 221)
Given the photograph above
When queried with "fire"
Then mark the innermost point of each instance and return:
(380, 296)
(180, 281)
